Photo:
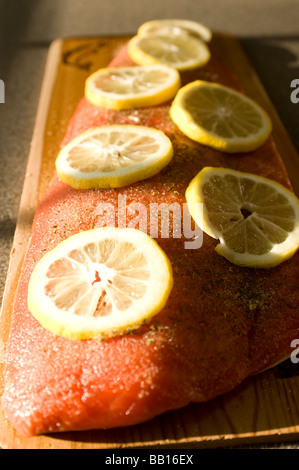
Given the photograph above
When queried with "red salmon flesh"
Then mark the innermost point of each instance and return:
(221, 324)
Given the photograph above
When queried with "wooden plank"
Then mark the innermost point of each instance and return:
(28, 201)
(263, 408)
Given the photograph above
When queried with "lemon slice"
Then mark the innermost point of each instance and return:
(128, 87)
(113, 156)
(100, 283)
(180, 51)
(255, 219)
(176, 26)
(220, 117)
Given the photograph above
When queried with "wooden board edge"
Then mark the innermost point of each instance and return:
(28, 201)
(27, 207)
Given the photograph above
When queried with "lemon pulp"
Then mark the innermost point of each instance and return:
(220, 117)
(255, 219)
(99, 283)
(113, 156)
(128, 87)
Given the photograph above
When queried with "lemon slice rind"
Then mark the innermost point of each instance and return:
(119, 155)
(63, 321)
(202, 128)
(132, 87)
(278, 253)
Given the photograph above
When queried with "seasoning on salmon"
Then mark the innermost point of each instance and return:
(221, 324)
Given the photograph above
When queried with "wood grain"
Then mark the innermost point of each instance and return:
(264, 408)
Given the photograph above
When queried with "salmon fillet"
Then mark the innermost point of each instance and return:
(221, 324)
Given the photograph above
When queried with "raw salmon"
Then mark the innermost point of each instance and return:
(221, 323)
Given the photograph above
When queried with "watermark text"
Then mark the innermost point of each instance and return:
(2, 92)
(295, 353)
(295, 92)
(156, 219)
